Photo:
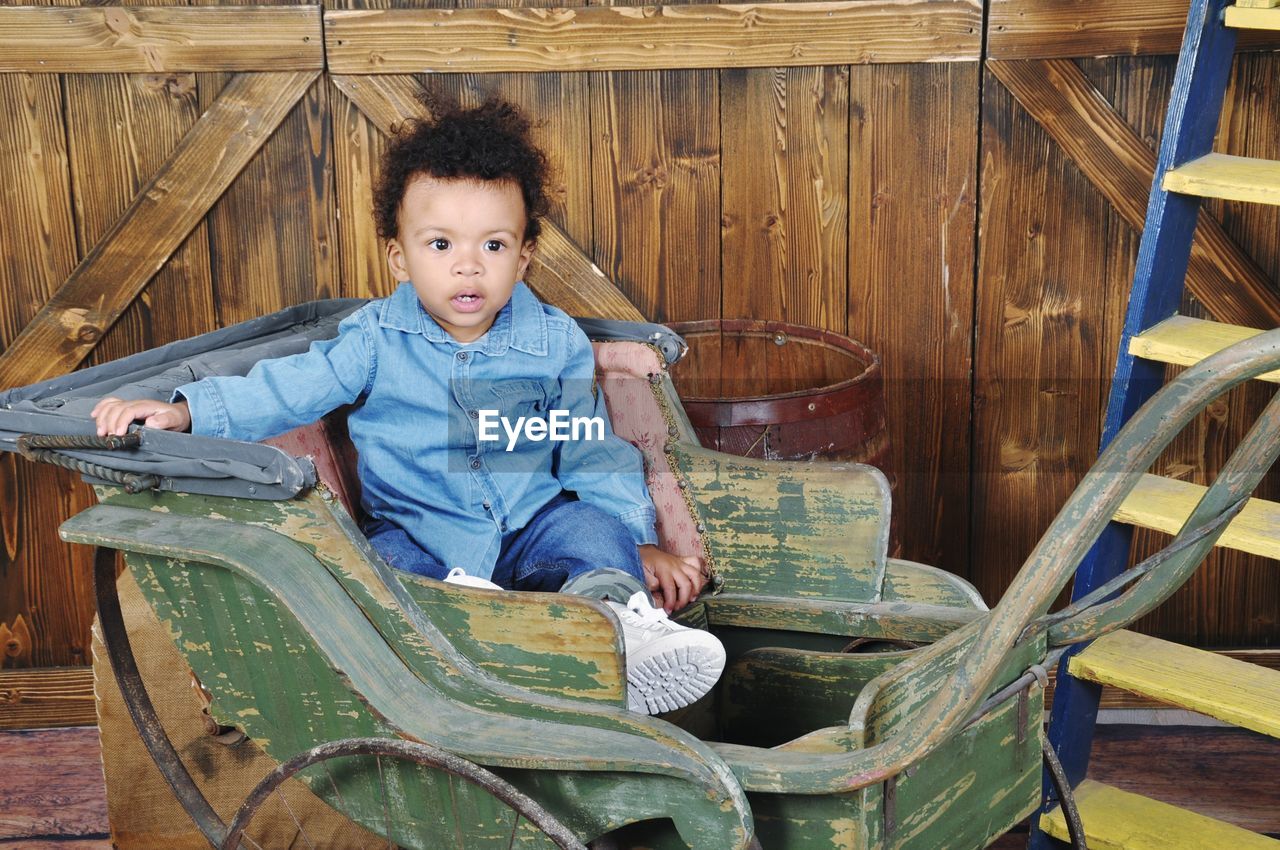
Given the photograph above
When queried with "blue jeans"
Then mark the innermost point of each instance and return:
(565, 540)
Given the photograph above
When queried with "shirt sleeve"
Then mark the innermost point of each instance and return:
(286, 392)
(608, 472)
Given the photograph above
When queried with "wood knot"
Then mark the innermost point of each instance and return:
(176, 86)
(88, 333)
(10, 696)
(15, 642)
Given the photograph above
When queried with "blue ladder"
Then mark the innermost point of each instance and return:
(1186, 171)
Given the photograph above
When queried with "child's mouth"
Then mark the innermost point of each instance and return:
(467, 302)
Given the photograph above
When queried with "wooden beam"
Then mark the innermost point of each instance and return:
(1112, 697)
(172, 203)
(1059, 29)
(1106, 149)
(116, 39)
(561, 273)
(620, 38)
(47, 697)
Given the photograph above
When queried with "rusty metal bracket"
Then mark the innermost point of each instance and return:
(890, 804)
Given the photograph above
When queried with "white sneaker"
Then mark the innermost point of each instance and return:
(668, 665)
(458, 575)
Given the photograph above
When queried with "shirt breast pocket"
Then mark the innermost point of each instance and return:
(520, 398)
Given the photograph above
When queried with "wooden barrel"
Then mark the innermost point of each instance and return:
(782, 391)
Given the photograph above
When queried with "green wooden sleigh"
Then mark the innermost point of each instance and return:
(868, 702)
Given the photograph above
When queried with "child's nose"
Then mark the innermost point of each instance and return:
(467, 264)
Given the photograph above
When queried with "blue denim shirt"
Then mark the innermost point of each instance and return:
(422, 465)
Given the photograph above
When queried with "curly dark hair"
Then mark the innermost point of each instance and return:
(487, 142)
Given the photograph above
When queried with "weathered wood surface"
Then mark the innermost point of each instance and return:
(1233, 178)
(1121, 165)
(37, 252)
(145, 40)
(167, 209)
(1222, 773)
(46, 697)
(51, 786)
(875, 620)
(560, 273)
(789, 528)
(616, 38)
(357, 146)
(373, 664)
(656, 223)
(1118, 820)
(913, 147)
(1252, 16)
(1049, 318)
(110, 169)
(1239, 693)
(913, 194)
(141, 807)
(1164, 504)
(1232, 600)
(1183, 341)
(1053, 29)
(785, 165)
(272, 234)
(1113, 697)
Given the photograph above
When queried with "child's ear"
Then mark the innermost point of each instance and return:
(526, 254)
(395, 260)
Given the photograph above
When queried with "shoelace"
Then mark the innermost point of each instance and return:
(647, 617)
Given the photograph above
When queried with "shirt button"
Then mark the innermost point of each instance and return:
(503, 527)
(474, 414)
(475, 463)
(462, 356)
(487, 506)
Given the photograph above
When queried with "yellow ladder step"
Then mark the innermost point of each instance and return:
(1164, 504)
(1118, 820)
(1257, 4)
(1185, 341)
(1236, 692)
(1220, 175)
(1250, 16)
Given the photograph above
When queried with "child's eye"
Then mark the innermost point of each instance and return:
(494, 245)
(440, 244)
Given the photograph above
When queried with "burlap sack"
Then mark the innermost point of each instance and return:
(143, 812)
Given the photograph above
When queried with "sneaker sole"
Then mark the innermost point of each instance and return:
(673, 678)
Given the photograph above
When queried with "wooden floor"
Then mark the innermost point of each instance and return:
(51, 793)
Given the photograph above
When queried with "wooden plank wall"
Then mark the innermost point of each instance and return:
(1056, 262)
(917, 207)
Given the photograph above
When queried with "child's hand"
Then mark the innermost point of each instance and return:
(114, 415)
(674, 581)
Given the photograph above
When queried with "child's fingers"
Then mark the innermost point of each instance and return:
(97, 408)
(670, 592)
(118, 418)
(688, 590)
(108, 417)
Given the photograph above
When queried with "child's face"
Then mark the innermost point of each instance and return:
(461, 243)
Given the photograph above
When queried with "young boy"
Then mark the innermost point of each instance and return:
(460, 346)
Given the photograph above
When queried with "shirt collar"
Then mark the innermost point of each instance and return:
(520, 324)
